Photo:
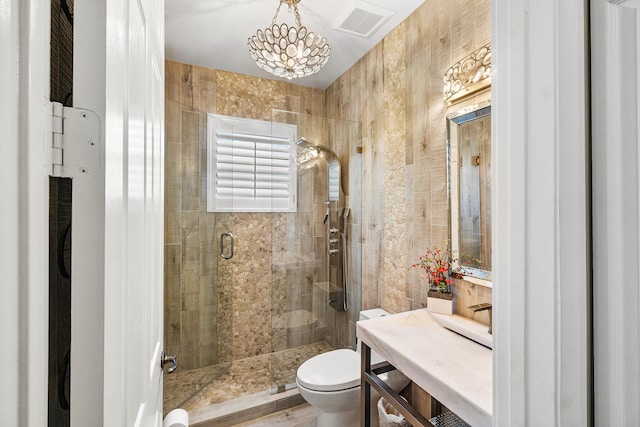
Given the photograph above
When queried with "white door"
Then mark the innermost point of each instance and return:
(119, 74)
(134, 227)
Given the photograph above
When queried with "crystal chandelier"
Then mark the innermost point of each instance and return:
(286, 51)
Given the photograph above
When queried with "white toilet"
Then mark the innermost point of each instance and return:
(330, 382)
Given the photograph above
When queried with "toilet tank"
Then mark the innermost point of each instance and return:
(373, 313)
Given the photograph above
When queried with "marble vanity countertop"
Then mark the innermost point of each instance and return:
(453, 369)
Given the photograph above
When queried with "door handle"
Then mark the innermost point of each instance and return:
(222, 254)
(164, 359)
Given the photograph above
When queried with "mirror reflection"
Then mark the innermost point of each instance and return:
(469, 139)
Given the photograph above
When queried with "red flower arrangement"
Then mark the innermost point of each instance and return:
(437, 264)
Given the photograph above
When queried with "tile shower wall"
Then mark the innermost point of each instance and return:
(219, 311)
(395, 91)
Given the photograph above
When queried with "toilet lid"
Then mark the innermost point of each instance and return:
(331, 371)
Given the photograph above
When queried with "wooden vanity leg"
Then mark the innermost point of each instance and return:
(365, 387)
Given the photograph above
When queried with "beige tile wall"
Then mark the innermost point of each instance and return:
(395, 91)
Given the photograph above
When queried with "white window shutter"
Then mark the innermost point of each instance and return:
(251, 165)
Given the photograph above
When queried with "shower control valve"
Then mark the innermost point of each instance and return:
(333, 230)
(166, 359)
(331, 241)
(333, 251)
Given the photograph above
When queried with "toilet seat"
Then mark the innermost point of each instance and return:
(332, 371)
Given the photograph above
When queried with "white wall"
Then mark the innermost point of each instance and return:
(616, 196)
(24, 80)
(9, 216)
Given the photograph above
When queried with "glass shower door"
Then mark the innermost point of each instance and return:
(315, 300)
(199, 283)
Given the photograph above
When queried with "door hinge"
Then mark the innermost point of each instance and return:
(75, 143)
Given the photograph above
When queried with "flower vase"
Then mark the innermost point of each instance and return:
(440, 302)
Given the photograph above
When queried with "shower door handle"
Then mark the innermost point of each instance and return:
(222, 253)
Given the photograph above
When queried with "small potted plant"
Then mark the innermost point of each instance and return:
(437, 266)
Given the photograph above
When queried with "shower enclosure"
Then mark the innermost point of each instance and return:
(249, 296)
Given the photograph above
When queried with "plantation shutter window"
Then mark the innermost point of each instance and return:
(251, 165)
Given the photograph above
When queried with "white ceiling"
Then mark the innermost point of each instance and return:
(214, 33)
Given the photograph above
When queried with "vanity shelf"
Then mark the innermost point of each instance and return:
(454, 370)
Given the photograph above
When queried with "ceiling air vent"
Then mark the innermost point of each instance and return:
(364, 19)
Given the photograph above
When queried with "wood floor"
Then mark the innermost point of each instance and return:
(298, 416)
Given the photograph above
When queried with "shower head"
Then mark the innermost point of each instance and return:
(304, 143)
(335, 185)
(306, 151)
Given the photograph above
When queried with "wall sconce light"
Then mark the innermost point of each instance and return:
(467, 76)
